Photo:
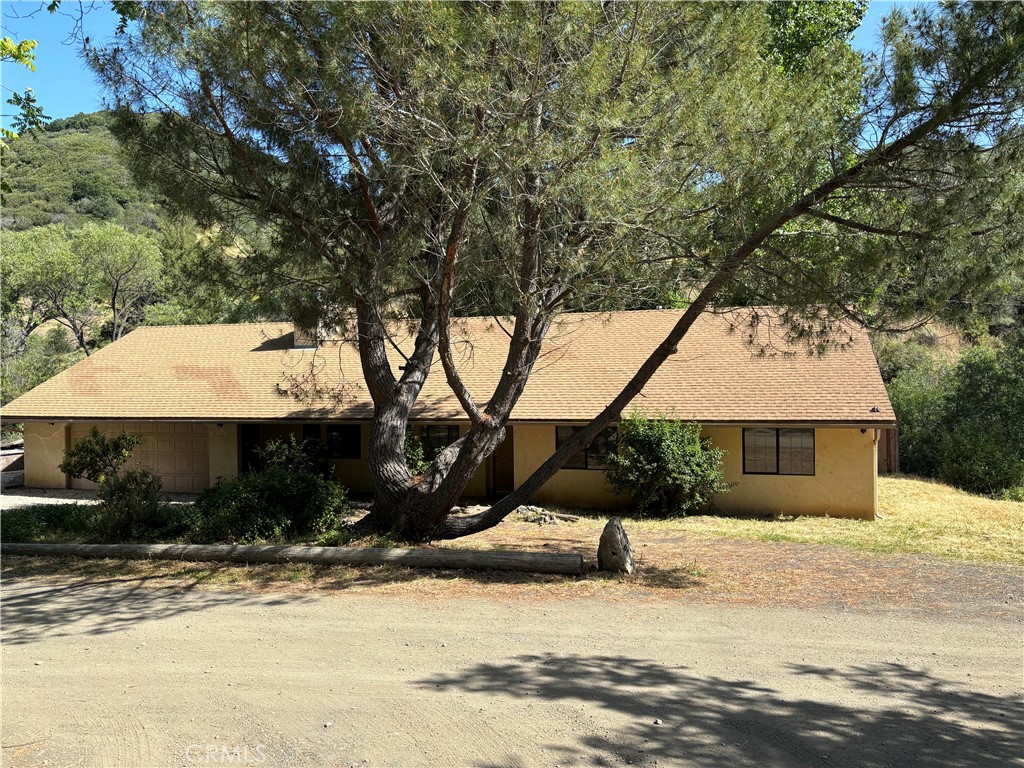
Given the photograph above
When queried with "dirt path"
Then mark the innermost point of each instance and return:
(123, 673)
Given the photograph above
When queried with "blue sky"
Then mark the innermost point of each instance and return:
(63, 85)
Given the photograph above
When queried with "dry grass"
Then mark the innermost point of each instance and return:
(916, 516)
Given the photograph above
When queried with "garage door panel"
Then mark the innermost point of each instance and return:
(179, 453)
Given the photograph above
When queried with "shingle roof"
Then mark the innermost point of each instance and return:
(251, 372)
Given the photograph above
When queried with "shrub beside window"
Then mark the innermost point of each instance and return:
(666, 466)
(291, 496)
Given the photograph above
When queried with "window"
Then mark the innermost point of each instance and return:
(778, 451)
(437, 438)
(344, 441)
(595, 455)
(311, 432)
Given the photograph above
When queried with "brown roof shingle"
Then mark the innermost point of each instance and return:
(250, 372)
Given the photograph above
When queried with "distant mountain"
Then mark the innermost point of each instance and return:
(72, 172)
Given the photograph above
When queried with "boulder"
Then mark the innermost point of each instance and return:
(613, 552)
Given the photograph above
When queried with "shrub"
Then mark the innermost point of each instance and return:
(415, 454)
(665, 466)
(97, 456)
(896, 357)
(132, 507)
(962, 422)
(46, 521)
(982, 444)
(918, 395)
(295, 456)
(273, 504)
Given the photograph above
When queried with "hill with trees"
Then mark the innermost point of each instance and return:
(89, 254)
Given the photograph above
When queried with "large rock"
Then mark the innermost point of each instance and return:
(613, 552)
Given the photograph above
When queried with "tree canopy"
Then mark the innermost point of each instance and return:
(420, 160)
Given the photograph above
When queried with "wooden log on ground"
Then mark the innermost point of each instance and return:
(531, 562)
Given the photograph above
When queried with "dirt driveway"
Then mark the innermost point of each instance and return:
(125, 672)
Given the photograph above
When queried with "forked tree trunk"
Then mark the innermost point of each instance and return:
(418, 508)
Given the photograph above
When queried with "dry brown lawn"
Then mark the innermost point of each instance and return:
(916, 517)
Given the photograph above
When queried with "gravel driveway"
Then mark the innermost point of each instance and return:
(121, 673)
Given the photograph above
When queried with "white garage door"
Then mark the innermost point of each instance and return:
(177, 452)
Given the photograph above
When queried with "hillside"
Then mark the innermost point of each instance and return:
(72, 172)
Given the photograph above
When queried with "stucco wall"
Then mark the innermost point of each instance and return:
(44, 450)
(843, 483)
(534, 443)
(222, 442)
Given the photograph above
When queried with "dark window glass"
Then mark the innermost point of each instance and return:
(311, 432)
(796, 451)
(760, 451)
(778, 451)
(436, 438)
(595, 455)
(579, 459)
(344, 441)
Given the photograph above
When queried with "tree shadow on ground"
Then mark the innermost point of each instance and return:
(172, 577)
(93, 605)
(875, 715)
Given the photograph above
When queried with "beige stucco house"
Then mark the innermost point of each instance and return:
(801, 430)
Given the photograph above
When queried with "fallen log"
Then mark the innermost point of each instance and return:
(532, 562)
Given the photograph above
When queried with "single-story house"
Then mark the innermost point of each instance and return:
(801, 430)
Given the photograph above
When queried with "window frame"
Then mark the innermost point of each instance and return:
(421, 433)
(590, 463)
(778, 442)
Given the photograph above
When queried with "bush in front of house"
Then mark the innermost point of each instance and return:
(288, 498)
(666, 466)
(132, 507)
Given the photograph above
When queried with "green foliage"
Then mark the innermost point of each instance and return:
(72, 172)
(982, 448)
(918, 396)
(94, 280)
(270, 505)
(896, 356)
(47, 522)
(42, 357)
(666, 466)
(961, 422)
(293, 455)
(98, 457)
(132, 507)
(799, 27)
(415, 454)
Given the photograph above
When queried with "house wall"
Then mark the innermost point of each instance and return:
(843, 483)
(534, 443)
(44, 451)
